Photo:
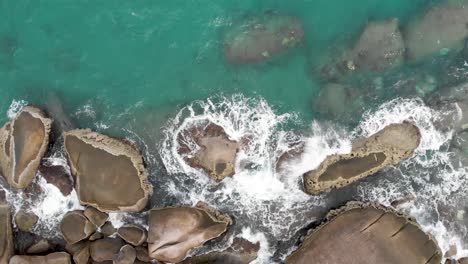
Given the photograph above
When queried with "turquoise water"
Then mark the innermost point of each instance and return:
(167, 53)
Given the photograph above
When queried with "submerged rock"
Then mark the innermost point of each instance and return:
(23, 143)
(261, 38)
(217, 153)
(380, 46)
(25, 221)
(173, 232)
(6, 234)
(338, 101)
(240, 252)
(389, 146)
(443, 28)
(133, 234)
(53, 258)
(76, 227)
(367, 234)
(110, 173)
(57, 176)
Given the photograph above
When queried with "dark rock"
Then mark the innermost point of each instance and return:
(126, 255)
(39, 247)
(142, 254)
(57, 176)
(96, 236)
(105, 249)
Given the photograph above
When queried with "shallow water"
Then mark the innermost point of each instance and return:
(146, 70)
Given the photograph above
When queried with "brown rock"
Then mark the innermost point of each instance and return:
(367, 234)
(53, 258)
(108, 229)
(142, 254)
(23, 143)
(126, 255)
(463, 261)
(261, 38)
(82, 255)
(76, 227)
(217, 153)
(442, 27)
(133, 234)
(173, 232)
(96, 217)
(240, 252)
(122, 183)
(389, 146)
(6, 234)
(25, 220)
(96, 236)
(105, 249)
(338, 102)
(57, 176)
(39, 247)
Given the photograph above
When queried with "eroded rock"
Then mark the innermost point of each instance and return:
(6, 234)
(53, 258)
(389, 146)
(110, 173)
(367, 234)
(217, 153)
(261, 38)
(173, 232)
(76, 227)
(443, 28)
(23, 143)
(133, 234)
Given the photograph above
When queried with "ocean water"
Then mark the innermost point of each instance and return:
(147, 70)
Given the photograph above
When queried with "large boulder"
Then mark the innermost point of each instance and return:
(260, 38)
(442, 28)
(75, 227)
(23, 143)
(58, 176)
(380, 46)
(389, 146)
(216, 154)
(6, 234)
(105, 249)
(53, 258)
(367, 234)
(173, 232)
(133, 234)
(110, 173)
(25, 220)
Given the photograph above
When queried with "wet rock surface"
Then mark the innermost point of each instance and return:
(367, 233)
(389, 146)
(260, 38)
(23, 143)
(216, 154)
(110, 174)
(173, 232)
(57, 176)
(442, 29)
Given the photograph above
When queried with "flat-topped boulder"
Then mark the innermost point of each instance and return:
(173, 232)
(6, 234)
(260, 38)
(23, 143)
(76, 227)
(53, 258)
(389, 146)
(110, 173)
(443, 28)
(216, 154)
(367, 234)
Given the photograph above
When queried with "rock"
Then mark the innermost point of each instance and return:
(23, 143)
(408, 198)
(108, 229)
(380, 46)
(82, 255)
(443, 28)
(126, 255)
(25, 221)
(261, 38)
(105, 249)
(389, 146)
(76, 227)
(96, 236)
(122, 183)
(6, 234)
(96, 217)
(217, 153)
(338, 102)
(57, 176)
(39, 247)
(142, 254)
(463, 261)
(53, 258)
(367, 234)
(173, 232)
(133, 234)
(240, 252)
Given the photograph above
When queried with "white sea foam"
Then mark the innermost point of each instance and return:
(15, 107)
